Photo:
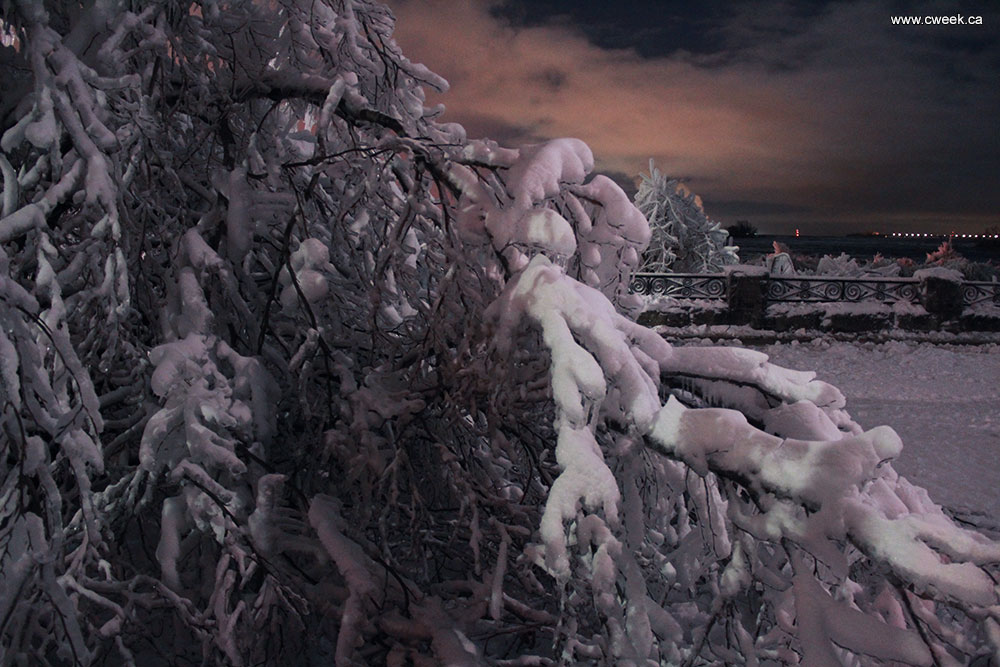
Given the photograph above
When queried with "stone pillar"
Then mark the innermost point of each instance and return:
(941, 292)
(746, 294)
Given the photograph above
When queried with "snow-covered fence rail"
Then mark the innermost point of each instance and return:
(931, 299)
(976, 292)
(809, 289)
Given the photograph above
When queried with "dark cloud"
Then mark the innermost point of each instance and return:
(738, 208)
(652, 28)
(817, 112)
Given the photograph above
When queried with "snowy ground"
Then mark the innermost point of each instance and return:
(944, 401)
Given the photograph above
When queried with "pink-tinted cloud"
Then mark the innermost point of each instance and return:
(810, 121)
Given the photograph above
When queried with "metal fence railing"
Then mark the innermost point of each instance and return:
(805, 289)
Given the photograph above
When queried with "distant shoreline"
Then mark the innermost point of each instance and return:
(865, 247)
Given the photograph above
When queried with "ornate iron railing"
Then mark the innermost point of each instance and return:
(814, 289)
(680, 285)
(974, 292)
(805, 289)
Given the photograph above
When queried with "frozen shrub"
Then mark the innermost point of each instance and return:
(683, 239)
(982, 271)
(945, 254)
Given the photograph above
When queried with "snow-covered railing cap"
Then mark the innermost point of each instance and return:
(745, 270)
(939, 272)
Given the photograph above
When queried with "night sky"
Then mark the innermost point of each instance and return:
(815, 115)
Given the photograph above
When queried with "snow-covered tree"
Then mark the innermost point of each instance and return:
(683, 239)
(291, 373)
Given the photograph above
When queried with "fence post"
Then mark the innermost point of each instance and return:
(746, 293)
(940, 292)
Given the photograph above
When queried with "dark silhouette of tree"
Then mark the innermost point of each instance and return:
(742, 230)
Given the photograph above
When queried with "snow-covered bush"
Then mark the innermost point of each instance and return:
(841, 265)
(945, 255)
(683, 239)
(846, 266)
(879, 266)
(779, 264)
(948, 257)
(293, 374)
(982, 271)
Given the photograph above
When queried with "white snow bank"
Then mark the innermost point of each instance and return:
(746, 270)
(944, 401)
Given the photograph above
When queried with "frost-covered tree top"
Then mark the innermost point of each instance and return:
(292, 373)
(683, 239)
